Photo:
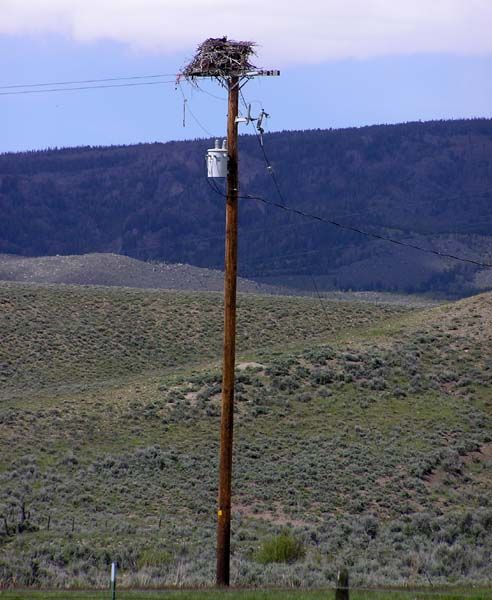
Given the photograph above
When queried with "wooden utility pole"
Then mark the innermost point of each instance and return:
(230, 284)
(228, 62)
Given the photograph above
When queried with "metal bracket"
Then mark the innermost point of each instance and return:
(259, 121)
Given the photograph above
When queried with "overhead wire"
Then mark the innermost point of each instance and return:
(376, 236)
(264, 258)
(221, 98)
(252, 262)
(186, 103)
(282, 205)
(259, 138)
(85, 87)
(84, 81)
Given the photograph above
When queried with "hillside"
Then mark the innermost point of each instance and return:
(427, 184)
(363, 430)
(58, 335)
(116, 270)
(123, 271)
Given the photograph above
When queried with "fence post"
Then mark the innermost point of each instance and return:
(113, 581)
(342, 591)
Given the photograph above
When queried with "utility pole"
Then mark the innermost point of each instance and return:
(230, 284)
(227, 61)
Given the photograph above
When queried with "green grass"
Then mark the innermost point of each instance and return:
(366, 437)
(459, 594)
(67, 335)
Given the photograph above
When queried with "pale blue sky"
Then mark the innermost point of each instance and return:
(387, 86)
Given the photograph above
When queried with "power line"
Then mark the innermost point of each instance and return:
(86, 87)
(270, 170)
(282, 205)
(186, 107)
(265, 157)
(376, 236)
(210, 93)
(83, 81)
(356, 229)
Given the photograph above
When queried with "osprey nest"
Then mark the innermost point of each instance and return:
(220, 57)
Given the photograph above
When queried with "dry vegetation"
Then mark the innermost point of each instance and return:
(221, 58)
(254, 594)
(116, 270)
(363, 438)
(59, 335)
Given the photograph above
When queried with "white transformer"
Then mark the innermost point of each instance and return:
(217, 160)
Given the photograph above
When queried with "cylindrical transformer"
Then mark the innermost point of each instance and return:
(217, 160)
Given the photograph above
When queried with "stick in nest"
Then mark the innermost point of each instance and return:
(220, 58)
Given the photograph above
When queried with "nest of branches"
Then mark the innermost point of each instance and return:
(220, 57)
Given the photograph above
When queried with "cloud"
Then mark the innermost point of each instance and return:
(309, 31)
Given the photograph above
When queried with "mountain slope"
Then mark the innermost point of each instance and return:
(423, 183)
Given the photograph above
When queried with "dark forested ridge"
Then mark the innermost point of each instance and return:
(424, 183)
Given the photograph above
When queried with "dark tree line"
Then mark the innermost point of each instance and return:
(429, 182)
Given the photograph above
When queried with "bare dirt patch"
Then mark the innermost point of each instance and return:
(482, 455)
(277, 516)
(242, 366)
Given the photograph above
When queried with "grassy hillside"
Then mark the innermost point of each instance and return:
(58, 335)
(364, 432)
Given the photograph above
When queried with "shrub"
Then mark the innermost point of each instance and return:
(281, 548)
(321, 376)
(150, 557)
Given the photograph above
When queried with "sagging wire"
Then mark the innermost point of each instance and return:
(186, 108)
(84, 81)
(85, 87)
(284, 206)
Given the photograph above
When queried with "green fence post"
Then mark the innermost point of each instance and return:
(113, 581)
(342, 592)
